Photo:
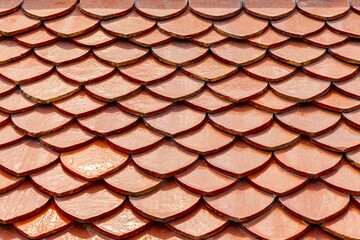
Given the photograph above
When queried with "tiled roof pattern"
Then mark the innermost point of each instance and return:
(179, 119)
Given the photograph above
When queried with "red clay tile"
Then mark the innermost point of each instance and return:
(122, 224)
(135, 140)
(30, 157)
(164, 160)
(238, 88)
(165, 203)
(45, 10)
(179, 53)
(4, 118)
(131, 181)
(9, 6)
(57, 182)
(350, 87)
(178, 120)
(36, 38)
(231, 232)
(268, 9)
(95, 38)
(67, 139)
(239, 160)
(268, 39)
(209, 38)
(346, 25)
(186, 25)
(128, 26)
(352, 118)
(237, 53)
(269, 70)
(316, 232)
(49, 89)
(103, 161)
(276, 180)
(157, 231)
(151, 39)
(338, 102)
(7, 231)
(144, 104)
(354, 158)
(214, 9)
(71, 25)
(85, 71)
(6, 87)
(16, 23)
(193, 180)
(301, 87)
(298, 25)
(25, 70)
(78, 232)
(9, 135)
(8, 182)
(348, 52)
(91, 204)
(326, 39)
(12, 51)
(355, 5)
(177, 88)
(105, 9)
(148, 71)
(328, 10)
(113, 88)
(160, 9)
(205, 140)
(272, 103)
(341, 139)
(306, 159)
(121, 53)
(108, 121)
(43, 224)
(253, 202)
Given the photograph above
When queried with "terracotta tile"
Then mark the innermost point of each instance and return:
(352, 118)
(160, 10)
(12, 51)
(179, 53)
(122, 224)
(30, 157)
(209, 38)
(131, 181)
(276, 224)
(165, 203)
(164, 160)
(269, 10)
(78, 232)
(144, 104)
(215, 10)
(341, 139)
(4, 118)
(25, 70)
(8, 182)
(345, 25)
(16, 102)
(276, 180)
(105, 9)
(306, 159)
(121, 53)
(79, 105)
(178, 120)
(338, 102)
(151, 39)
(67, 139)
(91, 204)
(45, 10)
(193, 180)
(326, 39)
(71, 25)
(269, 70)
(7, 231)
(316, 232)
(298, 25)
(237, 53)
(57, 182)
(355, 6)
(272, 103)
(9, 135)
(128, 26)
(157, 231)
(205, 140)
(21, 203)
(347, 52)
(95, 38)
(305, 120)
(85, 71)
(238, 88)
(148, 71)
(6, 87)
(253, 202)
(16, 23)
(354, 158)
(176, 88)
(324, 10)
(36, 38)
(231, 232)
(186, 25)
(104, 161)
(43, 224)
(301, 87)
(9, 6)
(49, 89)
(268, 39)
(350, 87)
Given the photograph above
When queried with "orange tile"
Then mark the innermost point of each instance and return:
(269, 9)
(16, 22)
(105, 9)
(12, 51)
(161, 9)
(324, 10)
(215, 10)
(46, 10)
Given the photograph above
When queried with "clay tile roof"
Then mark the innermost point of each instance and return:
(178, 119)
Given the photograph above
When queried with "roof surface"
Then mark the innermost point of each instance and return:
(172, 120)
